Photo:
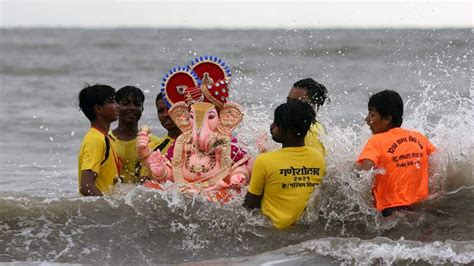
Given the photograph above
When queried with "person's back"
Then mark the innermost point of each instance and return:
(290, 176)
(98, 161)
(401, 154)
(283, 180)
(404, 156)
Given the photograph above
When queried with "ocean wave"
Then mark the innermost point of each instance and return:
(356, 251)
(330, 51)
(381, 250)
(136, 224)
(23, 71)
(132, 226)
(106, 45)
(26, 47)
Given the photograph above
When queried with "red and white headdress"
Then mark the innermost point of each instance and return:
(215, 77)
(180, 84)
(206, 79)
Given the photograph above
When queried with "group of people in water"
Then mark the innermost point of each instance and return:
(279, 182)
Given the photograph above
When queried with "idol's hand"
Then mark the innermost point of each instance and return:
(142, 144)
(157, 165)
(262, 143)
(237, 180)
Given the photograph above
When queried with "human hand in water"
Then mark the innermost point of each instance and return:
(143, 139)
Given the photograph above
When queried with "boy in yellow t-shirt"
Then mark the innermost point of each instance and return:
(283, 180)
(130, 100)
(98, 161)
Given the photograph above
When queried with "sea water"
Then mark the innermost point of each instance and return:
(42, 218)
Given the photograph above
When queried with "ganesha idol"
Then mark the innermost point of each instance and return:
(205, 158)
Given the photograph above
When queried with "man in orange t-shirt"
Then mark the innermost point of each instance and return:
(401, 153)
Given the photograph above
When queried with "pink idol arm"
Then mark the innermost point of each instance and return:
(262, 141)
(143, 140)
(239, 176)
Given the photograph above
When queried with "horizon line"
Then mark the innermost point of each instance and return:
(235, 28)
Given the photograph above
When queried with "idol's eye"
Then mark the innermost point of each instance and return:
(212, 114)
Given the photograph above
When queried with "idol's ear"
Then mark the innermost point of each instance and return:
(179, 113)
(230, 117)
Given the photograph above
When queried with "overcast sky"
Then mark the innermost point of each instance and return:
(235, 14)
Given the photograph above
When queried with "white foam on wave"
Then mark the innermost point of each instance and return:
(386, 251)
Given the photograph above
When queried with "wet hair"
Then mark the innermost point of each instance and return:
(90, 96)
(160, 96)
(388, 103)
(317, 92)
(126, 91)
(295, 117)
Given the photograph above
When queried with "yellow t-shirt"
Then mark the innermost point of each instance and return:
(286, 178)
(91, 155)
(312, 138)
(131, 165)
(162, 143)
